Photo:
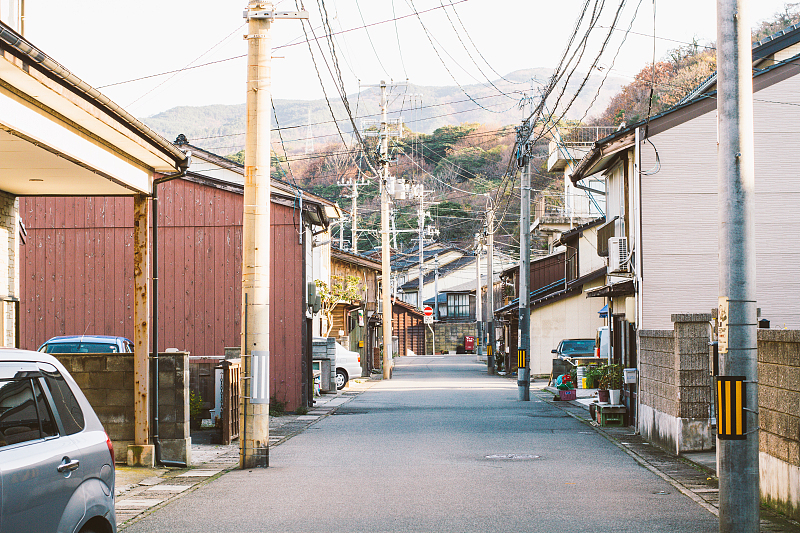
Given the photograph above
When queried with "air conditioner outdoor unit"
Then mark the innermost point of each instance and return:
(618, 255)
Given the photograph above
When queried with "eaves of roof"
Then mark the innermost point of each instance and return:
(34, 58)
(552, 293)
(275, 184)
(761, 50)
(602, 153)
(567, 235)
(408, 307)
(357, 259)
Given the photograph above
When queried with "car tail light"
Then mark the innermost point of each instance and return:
(110, 448)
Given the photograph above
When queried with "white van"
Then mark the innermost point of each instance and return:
(602, 345)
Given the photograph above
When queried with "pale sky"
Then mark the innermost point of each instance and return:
(107, 42)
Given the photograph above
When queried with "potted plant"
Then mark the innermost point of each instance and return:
(610, 384)
(593, 375)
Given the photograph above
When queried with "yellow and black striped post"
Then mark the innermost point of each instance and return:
(520, 358)
(731, 403)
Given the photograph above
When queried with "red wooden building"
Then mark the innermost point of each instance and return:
(76, 267)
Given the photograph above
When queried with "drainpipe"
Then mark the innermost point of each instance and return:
(154, 319)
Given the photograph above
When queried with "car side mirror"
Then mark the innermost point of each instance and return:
(553, 351)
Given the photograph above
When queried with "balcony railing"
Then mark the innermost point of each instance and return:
(554, 205)
(583, 135)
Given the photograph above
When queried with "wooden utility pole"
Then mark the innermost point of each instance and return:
(254, 407)
(739, 495)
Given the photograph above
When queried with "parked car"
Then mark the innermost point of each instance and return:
(348, 365)
(570, 349)
(56, 461)
(87, 344)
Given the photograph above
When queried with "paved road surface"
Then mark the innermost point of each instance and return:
(440, 447)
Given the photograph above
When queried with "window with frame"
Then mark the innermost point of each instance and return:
(458, 305)
(24, 413)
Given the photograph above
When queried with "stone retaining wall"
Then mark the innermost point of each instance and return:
(449, 335)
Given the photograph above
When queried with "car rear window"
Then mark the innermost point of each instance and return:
(581, 346)
(80, 347)
(69, 410)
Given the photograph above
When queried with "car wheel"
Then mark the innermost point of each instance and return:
(341, 378)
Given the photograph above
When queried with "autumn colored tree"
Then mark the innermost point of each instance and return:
(342, 290)
(658, 87)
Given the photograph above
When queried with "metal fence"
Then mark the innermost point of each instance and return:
(583, 134)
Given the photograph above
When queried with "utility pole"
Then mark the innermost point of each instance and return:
(478, 304)
(490, 348)
(353, 214)
(386, 270)
(739, 494)
(524, 334)
(436, 286)
(254, 413)
(421, 221)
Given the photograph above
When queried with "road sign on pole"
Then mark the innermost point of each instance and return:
(428, 311)
(427, 319)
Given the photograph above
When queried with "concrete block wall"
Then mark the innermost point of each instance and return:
(107, 382)
(448, 335)
(657, 379)
(779, 418)
(675, 385)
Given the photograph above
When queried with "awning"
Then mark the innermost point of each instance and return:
(613, 289)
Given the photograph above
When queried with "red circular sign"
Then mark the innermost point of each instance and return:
(428, 310)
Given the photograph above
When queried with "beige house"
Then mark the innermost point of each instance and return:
(661, 241)
(559, 307)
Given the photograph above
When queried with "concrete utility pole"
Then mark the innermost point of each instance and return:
(254, 412)
(738, 347)
(421, 221)
(524, 335)
(386, 270)
(353, 214)
(478, 303)
(490, 348)
(436, 286)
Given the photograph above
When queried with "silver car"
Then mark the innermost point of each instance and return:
(56, 461)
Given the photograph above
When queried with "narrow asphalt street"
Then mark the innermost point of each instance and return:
(440, 447)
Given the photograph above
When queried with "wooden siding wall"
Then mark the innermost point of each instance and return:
(410, 331)
(77, 274)
(76, 268)
(543, 272)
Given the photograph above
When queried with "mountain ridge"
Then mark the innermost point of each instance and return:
(220, 127)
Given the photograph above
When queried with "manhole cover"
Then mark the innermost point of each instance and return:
(513, 456)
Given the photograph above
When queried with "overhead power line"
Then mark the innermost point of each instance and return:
(288, 45)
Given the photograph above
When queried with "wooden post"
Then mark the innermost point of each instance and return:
(142, 452)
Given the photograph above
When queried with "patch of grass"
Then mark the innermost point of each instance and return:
(276, 407)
